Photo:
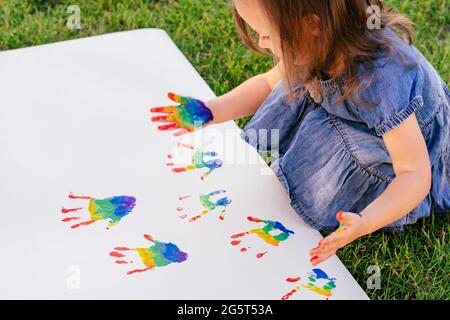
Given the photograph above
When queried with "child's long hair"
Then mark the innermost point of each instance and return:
(343, 32)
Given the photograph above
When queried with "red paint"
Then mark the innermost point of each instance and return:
(70, 219)
(160, 118)
(137, 271)
(181, 132)
(222, 218)
(179, 209)
(148, 237)
(238, 235)
(122, 262)
(244, 249)
(72, 196)
(122, 249)
(172, 96)
(184, 216)
(252, 219)
(64, 210)
(168, 126)
(287, 295)
(293, 279)
(85, 223)
(260, 255)
(184, 197)
(170, 164)
(186, 146)
(193, 219)
(116, 254)
(340, 216)
(314, 258)
(157, 109)
(170, 156)
(235, 242)
(178, 170)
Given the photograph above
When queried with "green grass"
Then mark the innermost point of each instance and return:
(413, 266)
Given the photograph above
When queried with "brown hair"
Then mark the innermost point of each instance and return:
(343, 33)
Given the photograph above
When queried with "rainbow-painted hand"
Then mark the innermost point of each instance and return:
(191, 114)
(351, 227)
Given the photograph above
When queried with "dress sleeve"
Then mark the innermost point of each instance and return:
(393, 93)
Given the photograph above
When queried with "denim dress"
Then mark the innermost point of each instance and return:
(330, 156)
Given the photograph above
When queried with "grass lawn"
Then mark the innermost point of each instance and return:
(413, 266)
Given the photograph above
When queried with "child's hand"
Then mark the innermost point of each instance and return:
(189, 115)
(352, 226)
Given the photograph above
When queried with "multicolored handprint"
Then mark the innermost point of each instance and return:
(205, 201)
(272, 233)
(112, 209)
(160, 254)
(191, 114)
(198, 161)
(314, 277)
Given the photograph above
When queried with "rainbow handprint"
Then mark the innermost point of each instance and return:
(112, 209)
(205, 200)
(198, 161)
(188, 116)
(314, 277)
(160, 254)
(265, 233)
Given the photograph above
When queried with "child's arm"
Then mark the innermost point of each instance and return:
(245, 99)
(412, 183)
(407, 190)
(191, 114)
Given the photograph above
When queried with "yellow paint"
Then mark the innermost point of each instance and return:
(146, 256)
(268, 238)
(320, 291)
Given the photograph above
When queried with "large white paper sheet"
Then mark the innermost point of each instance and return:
(74, 117)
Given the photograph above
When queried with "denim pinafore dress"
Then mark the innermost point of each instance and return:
(331, 156)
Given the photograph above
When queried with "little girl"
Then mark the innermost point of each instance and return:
(363, 119)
